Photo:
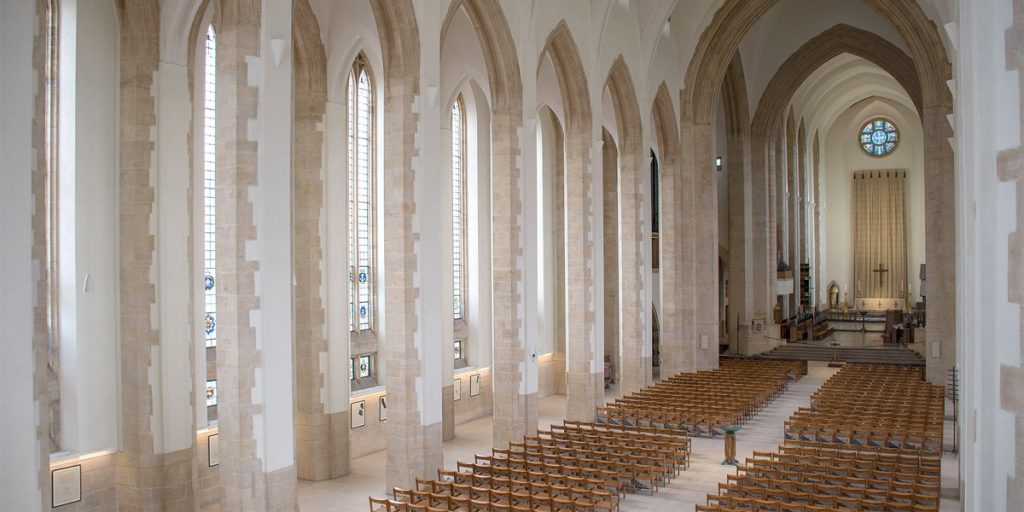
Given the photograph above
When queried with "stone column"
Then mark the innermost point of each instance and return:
(762, 241)
(804, 199)
(819, 287)
(793, 209)
(610, 239)
(703, 226)
(411, 325)
(321, 348)
(582, 379)
(940, 244)
(24, 437)
(743, 236)
(254, 353)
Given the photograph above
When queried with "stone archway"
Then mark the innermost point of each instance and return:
(742, 224)
(704, 75)
(675, 355)
(585, 387)
(635, 361)
(515, 407)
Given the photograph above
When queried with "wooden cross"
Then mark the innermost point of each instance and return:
(880, 270)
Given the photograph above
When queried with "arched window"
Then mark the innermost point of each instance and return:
(459, 230)
(879, 137)
(210, 217)
(361, 223)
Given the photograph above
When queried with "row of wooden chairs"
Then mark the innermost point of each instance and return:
(521, 495)
(605, 482)
(860, 446)
(643, 436)
(703, 403)
(743, 496)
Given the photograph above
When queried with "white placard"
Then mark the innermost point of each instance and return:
(213, 450)
(474, 384)
(67, 485)
(457, 389)
(382, 404)
(358, 414)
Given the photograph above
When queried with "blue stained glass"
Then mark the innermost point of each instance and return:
(362, 277)
(209, 282)
(210, 326)
(364, 311)
(879, 137)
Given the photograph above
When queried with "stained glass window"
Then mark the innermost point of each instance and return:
(211, 393)
(360, 197)
(879, 137)
(210, 192)
(458, 207)
(365, 366)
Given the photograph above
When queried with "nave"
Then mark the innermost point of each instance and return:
(763, 433)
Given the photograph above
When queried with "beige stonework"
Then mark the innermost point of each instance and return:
(45, 385)
(610, 241)
(1010, 166)
(673, 359)
(741, 220)
(632, 313)
(584, 380)
(321, 438)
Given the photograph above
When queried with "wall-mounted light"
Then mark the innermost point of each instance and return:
(718, 163)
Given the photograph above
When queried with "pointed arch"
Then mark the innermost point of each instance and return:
(585, 387)
(515, 416)
(675, 357)
(701, 87)
(633, 233)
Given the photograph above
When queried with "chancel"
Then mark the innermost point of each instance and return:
(493, 255)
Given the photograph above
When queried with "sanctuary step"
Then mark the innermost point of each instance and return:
(877, 355)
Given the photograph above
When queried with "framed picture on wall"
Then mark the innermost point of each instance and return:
(382, 404)
(213, 450)
(358, 414)
(474, 384)
(66, 485)
(457, 389)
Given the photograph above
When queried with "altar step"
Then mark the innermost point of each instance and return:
(877, 355)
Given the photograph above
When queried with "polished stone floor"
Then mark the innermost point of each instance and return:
(764, 432)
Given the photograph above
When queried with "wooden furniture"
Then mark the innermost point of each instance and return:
(871, 440)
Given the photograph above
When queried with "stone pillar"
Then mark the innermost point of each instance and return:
(819, 287)
(24, 438)
(743, 237)
(633, 271)
(254, 257)
(610, 239)
(321, 348)
(582, 378)
(411, 326)
(940, 244)
(762, 241)
(793, 211)
(676, 352)
(702, 222)
(804, 199)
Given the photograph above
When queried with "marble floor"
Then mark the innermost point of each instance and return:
(764, 432)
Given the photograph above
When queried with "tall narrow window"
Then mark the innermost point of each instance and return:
(361, 198)
(458, 208)
(210, 191)
(210, 219)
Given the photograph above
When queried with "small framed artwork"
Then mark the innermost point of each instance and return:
(457, 389)
(213, 450)
(66, 484)
(358, 414)
(383, 407)
(474, 384)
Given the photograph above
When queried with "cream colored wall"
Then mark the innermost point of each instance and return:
(841, 157)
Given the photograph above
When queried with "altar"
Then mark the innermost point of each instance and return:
(879, 304)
